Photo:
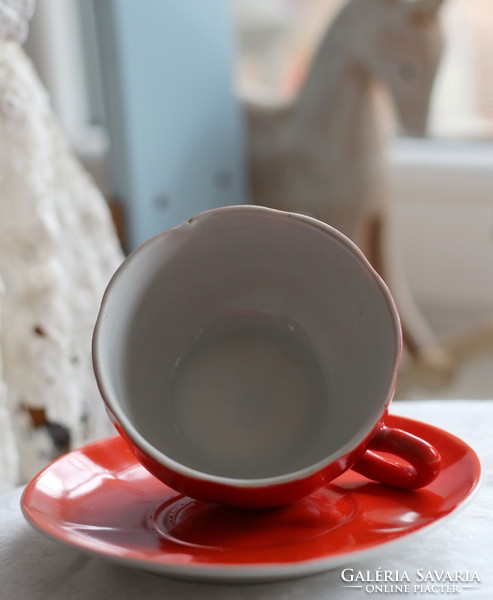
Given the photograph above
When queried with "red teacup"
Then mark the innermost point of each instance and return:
(249, 356)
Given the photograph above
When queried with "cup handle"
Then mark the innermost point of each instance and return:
(424, 461)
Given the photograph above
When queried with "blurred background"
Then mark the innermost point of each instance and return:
(148, 95)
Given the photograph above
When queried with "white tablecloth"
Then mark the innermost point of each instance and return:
(33, 567)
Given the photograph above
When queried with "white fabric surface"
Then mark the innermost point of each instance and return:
(33, 567)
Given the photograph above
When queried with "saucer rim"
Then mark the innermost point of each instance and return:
(256, 572)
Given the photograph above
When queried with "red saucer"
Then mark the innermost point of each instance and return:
(100, 500)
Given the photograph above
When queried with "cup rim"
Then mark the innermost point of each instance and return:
(117, 413)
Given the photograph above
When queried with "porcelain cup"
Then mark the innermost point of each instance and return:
(249, 356)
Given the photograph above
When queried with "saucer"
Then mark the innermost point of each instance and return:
(99, 499)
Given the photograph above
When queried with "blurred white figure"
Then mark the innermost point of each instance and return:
(58, 249)
(324, 152)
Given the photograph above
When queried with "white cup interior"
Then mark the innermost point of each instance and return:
(247, 344)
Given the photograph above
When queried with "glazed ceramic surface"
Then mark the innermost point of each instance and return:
(248, 357)
(101, 500)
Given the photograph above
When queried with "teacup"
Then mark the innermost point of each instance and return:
(249, 356)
